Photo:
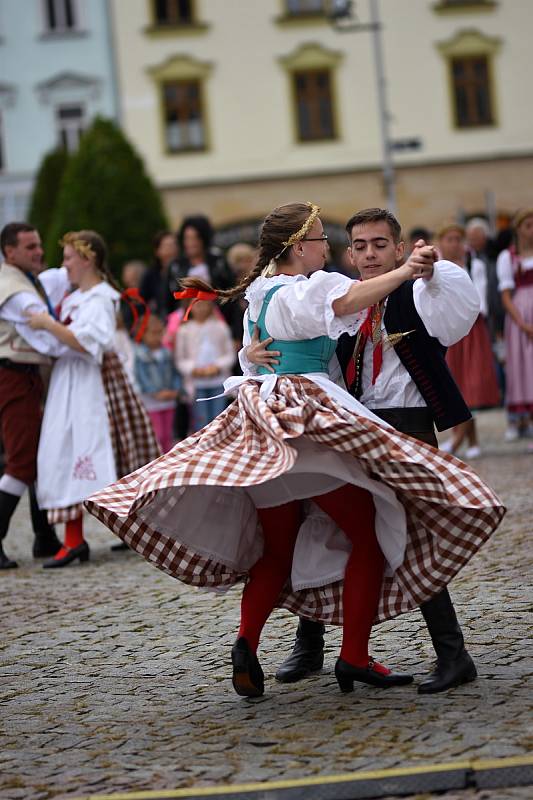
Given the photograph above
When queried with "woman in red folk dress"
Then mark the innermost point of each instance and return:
(471, 360)
(296, 488)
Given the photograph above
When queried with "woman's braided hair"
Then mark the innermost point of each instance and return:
(91, 246)
(276, 230)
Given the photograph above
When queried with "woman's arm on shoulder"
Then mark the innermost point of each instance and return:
(329, 303)
(363, 294)
(306, 309)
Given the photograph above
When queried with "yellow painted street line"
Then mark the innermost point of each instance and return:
(220, 791)
(497, 763)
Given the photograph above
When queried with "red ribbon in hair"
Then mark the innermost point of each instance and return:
(130, 295)
(195, 294)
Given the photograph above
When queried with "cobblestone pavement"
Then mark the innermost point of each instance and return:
(115, 677)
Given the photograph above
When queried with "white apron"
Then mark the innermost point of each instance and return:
(75, 456)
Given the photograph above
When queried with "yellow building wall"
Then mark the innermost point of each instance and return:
(427, 195)
(250, 117)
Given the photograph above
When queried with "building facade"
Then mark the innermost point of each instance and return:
(239, 106)
(56, 74)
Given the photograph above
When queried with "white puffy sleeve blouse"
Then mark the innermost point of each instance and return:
(91, 316)
(303, 307)
(448, 304)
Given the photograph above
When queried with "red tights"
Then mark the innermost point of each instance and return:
(268, 575)
(73, 536)
(352, 509)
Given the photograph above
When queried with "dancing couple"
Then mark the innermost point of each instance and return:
(297, 488)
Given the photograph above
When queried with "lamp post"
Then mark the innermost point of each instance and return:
(341, 10)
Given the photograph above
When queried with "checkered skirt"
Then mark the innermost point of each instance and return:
(450, 511)
(132, 435)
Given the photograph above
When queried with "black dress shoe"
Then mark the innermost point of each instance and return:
(8, 504)
(248, 679)
(46, 544)
(81, 552)
(5, 562)
(346, 674)
(448, 674)
(307, 655)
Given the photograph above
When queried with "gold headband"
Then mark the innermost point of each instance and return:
(83, 248)
(299, 235)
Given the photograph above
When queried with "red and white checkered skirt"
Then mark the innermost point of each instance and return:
(132, 435)
(450, 511)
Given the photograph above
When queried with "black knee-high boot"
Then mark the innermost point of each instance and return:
(8, 504)
(46, 543)
(307, 655)
(454, 665)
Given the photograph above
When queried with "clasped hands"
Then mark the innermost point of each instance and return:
(422, 260)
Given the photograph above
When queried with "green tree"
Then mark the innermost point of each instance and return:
(105, 188)
(46, 189)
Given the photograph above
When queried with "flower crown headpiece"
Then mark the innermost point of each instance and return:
(80, 246)
(299, 235)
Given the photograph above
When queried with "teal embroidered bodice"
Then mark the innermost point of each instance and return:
(297, 357)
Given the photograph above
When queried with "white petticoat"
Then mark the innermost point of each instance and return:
(322, 549)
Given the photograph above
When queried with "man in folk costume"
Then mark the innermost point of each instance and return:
(21, 386)
(396, 367)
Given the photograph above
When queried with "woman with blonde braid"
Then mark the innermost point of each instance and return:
(77, 447)
(227, 504)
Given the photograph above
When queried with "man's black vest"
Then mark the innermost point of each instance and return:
(423, 357)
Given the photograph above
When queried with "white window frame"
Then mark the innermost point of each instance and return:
(61, 17)
(73, 129)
